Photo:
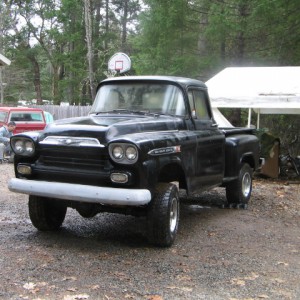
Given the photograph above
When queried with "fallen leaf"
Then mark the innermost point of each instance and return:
(83, 296)
(253, 276)
(263, 297)
(279, 280)
(71, 278)
(120, 274)
(183, 277)
(76, 297)
(211, 233)
(282, 263)
(238, 281)
(154, 297)
(171, 287)
(95, 287)
(185, 289)
(29, 286)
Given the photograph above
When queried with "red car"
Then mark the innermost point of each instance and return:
(26, 119)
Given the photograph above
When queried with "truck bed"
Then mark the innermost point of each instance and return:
(228, 131)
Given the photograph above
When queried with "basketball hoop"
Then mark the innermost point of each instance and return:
(119, 65)
(119, 62)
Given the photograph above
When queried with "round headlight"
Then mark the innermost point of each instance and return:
(29, 147)
(123, 153)
(23, 146)
(19, 146)
(118, 152)
(131, 153)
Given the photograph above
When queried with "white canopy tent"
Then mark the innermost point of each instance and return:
(4, 61)
(220, 118)
(267, 90)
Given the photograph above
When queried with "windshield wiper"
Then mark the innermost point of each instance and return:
(131, 111)
(115, 111)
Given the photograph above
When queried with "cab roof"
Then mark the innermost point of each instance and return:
(182, 81)
(20, 108)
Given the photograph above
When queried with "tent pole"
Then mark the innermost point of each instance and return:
(249, 117)
(258, 118)
(1, 87)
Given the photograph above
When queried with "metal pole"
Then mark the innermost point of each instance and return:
(249, 117)
(1, 85)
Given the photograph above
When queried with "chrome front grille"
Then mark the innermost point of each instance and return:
(79, 158)
(73, 164)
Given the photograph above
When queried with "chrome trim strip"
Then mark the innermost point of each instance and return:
(165, 150)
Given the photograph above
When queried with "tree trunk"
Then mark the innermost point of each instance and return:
(90, 56)
(36, 77)
(124, 26)
(106, 25)
(243, 13)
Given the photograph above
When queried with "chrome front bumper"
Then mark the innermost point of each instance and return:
(81, 193)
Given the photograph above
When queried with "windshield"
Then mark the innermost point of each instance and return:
(140, 97)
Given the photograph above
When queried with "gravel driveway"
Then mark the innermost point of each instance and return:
(218, 254)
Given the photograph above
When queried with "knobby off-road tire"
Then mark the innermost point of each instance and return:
(46, 214)
(239, 191)
(163, 215)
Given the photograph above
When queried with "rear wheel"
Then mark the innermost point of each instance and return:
(163, 215)
(239, 191)
(45, 213)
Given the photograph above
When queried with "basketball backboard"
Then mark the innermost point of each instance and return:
(119, 62)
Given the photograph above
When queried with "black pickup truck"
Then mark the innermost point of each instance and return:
(145, 138)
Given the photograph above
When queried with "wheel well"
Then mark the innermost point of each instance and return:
(249, 159)
(172, 172)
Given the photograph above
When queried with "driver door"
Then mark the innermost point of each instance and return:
(209, 168)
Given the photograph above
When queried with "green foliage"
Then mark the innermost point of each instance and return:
(52, 34)
(179, 37)
(287, 128)
(166, 43)
(194, 38)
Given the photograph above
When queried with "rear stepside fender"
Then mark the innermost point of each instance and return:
(239, 149)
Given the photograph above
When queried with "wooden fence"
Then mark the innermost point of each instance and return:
(62, 112)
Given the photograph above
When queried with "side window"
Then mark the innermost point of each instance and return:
(191, 103)
(3, 116)
(199, 105)
(15, 117)
(36, 117)
(26, 117)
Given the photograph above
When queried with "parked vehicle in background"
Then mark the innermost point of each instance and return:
(48, 117)
(27, 119)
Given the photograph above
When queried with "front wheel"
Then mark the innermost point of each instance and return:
(46, 214)
(239, 191)
(163, 215)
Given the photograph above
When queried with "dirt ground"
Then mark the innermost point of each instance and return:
(218, 254)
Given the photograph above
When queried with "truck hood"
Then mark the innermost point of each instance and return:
(111, 126)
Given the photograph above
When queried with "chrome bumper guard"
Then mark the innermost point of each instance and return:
(81, 193)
